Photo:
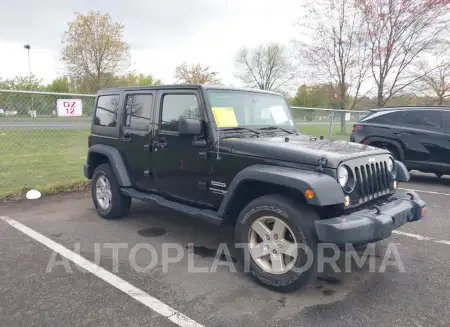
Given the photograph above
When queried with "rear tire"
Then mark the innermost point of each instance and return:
(106, 195)
(269, 229)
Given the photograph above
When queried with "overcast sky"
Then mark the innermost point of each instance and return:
(162, 34)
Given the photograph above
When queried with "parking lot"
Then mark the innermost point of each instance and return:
(37, 291)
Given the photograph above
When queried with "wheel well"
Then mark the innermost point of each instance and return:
(95, 160)
(391, 147)
(250, 190)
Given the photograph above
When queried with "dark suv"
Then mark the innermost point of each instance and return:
(234, 156)
(417, 136)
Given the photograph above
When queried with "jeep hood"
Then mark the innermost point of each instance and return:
(300, 148)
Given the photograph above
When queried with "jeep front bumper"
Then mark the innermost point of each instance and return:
(374, 223)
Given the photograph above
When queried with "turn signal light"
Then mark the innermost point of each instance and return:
(347, 201)
(309, 194)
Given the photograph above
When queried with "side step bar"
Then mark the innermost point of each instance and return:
(209, 216)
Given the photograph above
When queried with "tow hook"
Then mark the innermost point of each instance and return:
(411, 195)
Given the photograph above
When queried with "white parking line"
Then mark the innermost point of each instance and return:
(429, 192)
(149, 301)
(420, 237)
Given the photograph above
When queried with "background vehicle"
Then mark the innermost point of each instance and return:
(417, 136)
(234, 156)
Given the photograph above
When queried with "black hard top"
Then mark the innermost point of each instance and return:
(410, 108)
(182, 86)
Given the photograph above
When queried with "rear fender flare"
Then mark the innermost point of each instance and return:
(326, 189)
(115, 160)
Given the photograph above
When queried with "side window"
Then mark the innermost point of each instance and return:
(138, 111)
(106, 110)
(446, 119)
(425, 118)
(395, 117)
(176, 106)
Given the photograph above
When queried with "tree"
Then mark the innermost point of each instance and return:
(399, 33)
(59, 84)
(26, 83)
(133, 78)
(333, 46)
(437, 79)
(94, 50)
(266, 67)
(196, 74)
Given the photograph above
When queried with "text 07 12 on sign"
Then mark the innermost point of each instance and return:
(69, 107)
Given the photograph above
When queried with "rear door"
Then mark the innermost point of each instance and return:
(424, 137)
(135, 136)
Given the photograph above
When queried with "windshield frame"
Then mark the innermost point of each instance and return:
(216, 129)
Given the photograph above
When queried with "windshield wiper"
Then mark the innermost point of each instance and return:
(236, 129)
(275, 127)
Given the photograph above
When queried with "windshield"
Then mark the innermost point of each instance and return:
(245, 108)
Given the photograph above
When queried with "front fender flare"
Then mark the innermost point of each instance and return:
(327, 190)
(115, 160)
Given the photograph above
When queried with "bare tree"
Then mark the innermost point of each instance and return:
(399, 32)
(266, 67)
(437, 79)
(196, 74)
(334, 47)
(94, 50)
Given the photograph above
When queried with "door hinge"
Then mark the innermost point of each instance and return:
(146, 172)
(146, 147)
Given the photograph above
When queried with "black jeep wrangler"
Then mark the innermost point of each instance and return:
(234, 156)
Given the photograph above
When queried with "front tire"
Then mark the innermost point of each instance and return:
(108, 200)
(278, 236)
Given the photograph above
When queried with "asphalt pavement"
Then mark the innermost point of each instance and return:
(135, 287)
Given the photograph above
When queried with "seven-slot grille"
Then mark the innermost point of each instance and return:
(372, 180)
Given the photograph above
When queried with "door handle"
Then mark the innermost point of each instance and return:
(161, 143)
(125, 139)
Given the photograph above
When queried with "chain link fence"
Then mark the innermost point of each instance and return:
(329, 123)
(40, 149)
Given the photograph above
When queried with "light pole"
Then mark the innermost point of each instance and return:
(28, 47)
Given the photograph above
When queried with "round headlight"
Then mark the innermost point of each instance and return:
(342, 175)
(390, 165)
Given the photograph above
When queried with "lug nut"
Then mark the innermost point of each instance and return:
(274, 251)
(266, 247)
(267, 237)
(275, 237)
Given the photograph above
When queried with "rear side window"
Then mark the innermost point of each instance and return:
(138, 111)
(176, 106)
(106, 110)
(425, 118)
(385, 117)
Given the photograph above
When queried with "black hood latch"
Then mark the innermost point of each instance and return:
(322, 162)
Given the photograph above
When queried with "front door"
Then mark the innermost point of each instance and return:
(135, 136)
(178, 162)
(425, 138)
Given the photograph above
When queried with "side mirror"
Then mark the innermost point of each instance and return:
(189, 126)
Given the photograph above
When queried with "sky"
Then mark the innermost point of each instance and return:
(162, 34)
